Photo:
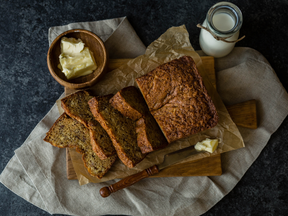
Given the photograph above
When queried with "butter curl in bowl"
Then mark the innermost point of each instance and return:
(77, 59)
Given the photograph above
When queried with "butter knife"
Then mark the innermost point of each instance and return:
(169, 159)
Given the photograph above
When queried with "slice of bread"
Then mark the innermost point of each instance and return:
(149, 135)
(76, 106)
(68, 132)
(121, 130)
(130, 102)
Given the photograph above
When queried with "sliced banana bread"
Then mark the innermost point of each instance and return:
(130, 102)
(68, 132)
(149, 135)
(76, 106)
(121, 130)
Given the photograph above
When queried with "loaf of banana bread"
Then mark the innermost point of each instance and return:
(76, 106)
(177, 99)
(130, 103)
(68, 132)
(120, 129)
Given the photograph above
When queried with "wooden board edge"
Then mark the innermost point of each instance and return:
(71, 174)
(212, 166)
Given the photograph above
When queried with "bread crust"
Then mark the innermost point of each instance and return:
(130, 103)
(119, 103)
(177, 99)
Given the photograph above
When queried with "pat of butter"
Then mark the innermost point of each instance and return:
(208, 145)
(75, 59)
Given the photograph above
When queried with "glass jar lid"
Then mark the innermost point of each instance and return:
(225, 8)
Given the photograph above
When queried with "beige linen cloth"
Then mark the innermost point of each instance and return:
(37, 172)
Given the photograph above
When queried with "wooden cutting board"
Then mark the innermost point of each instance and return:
(243, 114)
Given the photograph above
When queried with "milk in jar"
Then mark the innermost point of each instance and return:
(224, 20)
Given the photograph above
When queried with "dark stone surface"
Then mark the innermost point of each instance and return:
(28, 91)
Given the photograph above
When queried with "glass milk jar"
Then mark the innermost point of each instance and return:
(224, 21)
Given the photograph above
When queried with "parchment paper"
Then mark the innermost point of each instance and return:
(174, 43)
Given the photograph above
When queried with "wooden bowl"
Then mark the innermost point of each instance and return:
(94, 43)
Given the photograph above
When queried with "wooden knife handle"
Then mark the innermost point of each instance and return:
(128, 181)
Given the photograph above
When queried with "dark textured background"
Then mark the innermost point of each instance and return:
(28, 91)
